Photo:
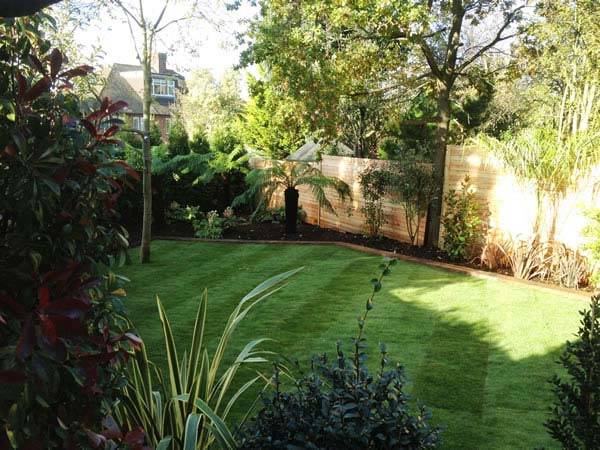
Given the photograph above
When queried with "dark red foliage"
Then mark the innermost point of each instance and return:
(63, 339)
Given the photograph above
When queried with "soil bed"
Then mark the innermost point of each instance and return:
(306, 232)
(274, 231)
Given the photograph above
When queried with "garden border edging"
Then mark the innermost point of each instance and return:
(374, 251)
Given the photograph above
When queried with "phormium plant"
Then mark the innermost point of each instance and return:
(61, 333)
(339, 404)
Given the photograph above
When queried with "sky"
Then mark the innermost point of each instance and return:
(208, 44)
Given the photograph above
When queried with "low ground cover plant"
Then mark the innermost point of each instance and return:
(339, 403)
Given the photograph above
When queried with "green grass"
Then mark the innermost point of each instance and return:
(478, 352)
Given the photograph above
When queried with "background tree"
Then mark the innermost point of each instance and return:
(210, 104)
(320, 53)
(272, 124)
(178, 140)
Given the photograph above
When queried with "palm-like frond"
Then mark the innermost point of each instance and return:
(190, 163)
(263, 182)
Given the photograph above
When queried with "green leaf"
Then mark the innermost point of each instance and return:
(191, 431)
(218, 427)
(164, 443)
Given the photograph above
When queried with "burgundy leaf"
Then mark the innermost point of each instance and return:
(35, 63)
(130, 170)
(64, 216)
(66, 85)
(2, 320)
(89, 126)
(78, 71)
(111, 131)
(26, 340)
(22, 81)
(135, 437)
(56, 61)
(67, 326)
(61, 174)
(111, 429)
(49, 329)
(44, 296)
(9, 303)
(85, 166)
(38, 89)
(67, 307)
(33, 444)
(113, 108)
(96, 440)
(10, 150)
(12, 376)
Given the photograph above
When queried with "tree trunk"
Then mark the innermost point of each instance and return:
(147, 172)
(291, 210)
(439, 163)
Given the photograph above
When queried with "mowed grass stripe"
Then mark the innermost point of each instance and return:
(477, 352)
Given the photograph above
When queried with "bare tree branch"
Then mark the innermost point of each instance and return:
(127, 12)
(497, 38)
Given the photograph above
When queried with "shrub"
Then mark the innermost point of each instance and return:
(374, 184)
(199, 143)
(592, 232)
(154, 136)
(225, 140)
(567, 267)
(178, 140)
(575, 415)
(62, 337)
(211, 226)
(340, 404)
(177, 213)
(189, 410)
(464, 229)
(415, 186)
(527, 258)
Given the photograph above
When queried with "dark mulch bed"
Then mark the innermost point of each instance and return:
(276, 232)
(273, 231)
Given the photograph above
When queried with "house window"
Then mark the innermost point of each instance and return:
(137, 123)
(160, 86)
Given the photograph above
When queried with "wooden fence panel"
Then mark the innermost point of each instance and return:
(511, 203)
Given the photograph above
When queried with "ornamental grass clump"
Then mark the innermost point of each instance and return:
(339, 403)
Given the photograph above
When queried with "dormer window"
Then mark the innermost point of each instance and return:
(163, 87)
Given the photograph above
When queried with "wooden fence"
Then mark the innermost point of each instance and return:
(511, 203)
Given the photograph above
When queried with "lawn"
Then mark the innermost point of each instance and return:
(478, 352)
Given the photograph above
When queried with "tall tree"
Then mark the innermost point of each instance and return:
(145, 28)
(324, 51)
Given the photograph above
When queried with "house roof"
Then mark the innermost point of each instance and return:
(125, 82)
(310, 151)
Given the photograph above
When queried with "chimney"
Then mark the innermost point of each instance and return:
(159, 62)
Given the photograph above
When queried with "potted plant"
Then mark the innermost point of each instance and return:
(264, 182)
